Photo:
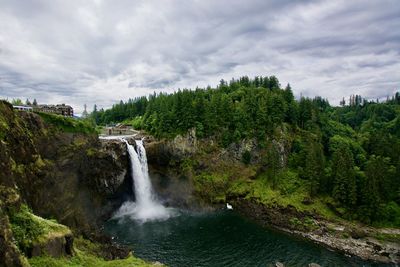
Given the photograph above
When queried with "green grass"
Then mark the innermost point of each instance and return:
(86, 254)
(213, 187)
(82, 258)
(270, 197)
(290, 191)
(388, 237)
(28, 228)
(99, 129)
(67, 124)
(50, 228)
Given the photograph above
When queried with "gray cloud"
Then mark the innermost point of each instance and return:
(102, 51)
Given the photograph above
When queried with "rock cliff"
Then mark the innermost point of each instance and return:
(69, 176)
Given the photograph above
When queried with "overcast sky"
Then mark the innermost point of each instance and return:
(102, 51)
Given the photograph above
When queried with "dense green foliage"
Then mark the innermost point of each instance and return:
(85, 255)
(24, 228)
(67, 124)
(350, 154)
(119, 112)
(28, 228)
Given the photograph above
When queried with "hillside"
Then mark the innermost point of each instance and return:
(343, 161)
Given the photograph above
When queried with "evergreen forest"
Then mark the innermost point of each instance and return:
(350, 153)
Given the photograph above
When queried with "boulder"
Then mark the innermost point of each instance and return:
(55, 246)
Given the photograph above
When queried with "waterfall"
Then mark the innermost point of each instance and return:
(140, 175)
(146, 206)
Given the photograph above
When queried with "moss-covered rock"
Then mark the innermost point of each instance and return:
(36, 236)
(47, 243)
(66, 175)
(10, 255)
(79, 174)
(88, 254)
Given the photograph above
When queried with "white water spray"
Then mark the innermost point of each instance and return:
(146, 206)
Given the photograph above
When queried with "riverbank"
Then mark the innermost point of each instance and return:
(352, 239)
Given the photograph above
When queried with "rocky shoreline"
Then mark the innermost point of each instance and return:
(352, 240)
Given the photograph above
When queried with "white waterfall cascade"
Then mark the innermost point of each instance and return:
(146, 207)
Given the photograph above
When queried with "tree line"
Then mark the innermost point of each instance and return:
(349, 153)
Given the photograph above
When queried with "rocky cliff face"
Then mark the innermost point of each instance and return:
(71, 177)
(9, 253)
(176, 167)
(164, 152)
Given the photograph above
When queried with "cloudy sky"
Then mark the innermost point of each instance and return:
(101, 51)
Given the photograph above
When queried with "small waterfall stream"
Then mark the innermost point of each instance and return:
(146, 207)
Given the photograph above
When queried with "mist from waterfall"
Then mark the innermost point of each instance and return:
(146, 207)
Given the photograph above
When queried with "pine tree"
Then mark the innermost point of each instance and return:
(256, 82)
(274, 83)
(265, 82)
(315, 165)
(95, 114)
(370, 198)
(17, 102)
(344, 183)
(274, 164)
(343, 102)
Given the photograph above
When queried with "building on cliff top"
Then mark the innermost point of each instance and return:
(60, 109)
(23, 108)
(119, 129)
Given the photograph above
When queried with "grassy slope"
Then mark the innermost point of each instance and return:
(291, 192)
(217, 180)
(84, 256)
(29, 228)
(68, 124)
(221, 179)
(86, 259)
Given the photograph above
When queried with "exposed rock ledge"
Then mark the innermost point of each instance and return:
(365, 248)
(352, 240)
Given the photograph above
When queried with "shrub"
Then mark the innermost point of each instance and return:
(24, 228)
(246, 157)
(137, 123)
(390, 214)
(68, 124)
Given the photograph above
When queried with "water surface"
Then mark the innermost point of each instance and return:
(220, 239)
